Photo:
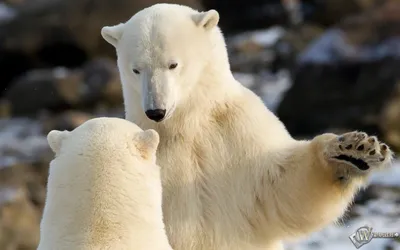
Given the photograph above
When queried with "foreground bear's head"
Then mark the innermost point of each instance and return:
(104, 189)
(163, 51)
(103, 138)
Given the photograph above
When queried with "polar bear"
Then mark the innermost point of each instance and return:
(104, 189)
(232, 175)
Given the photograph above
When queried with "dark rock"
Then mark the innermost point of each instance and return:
(292, 43)
(101, 77)
(254, 14)
(67, 120)
(390, 119)
(45, 89)
(343, 79)
(60, 89)
(259, 14)
(365, 195)
(49, 33)
(329, 12)
(12, 64)
(344, 95)
(253, 51)
(5, 108)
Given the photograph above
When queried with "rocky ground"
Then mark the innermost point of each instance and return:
(319, 65)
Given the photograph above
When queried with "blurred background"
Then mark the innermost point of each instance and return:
(320, 65)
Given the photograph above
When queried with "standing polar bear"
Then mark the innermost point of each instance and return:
(233, 177)
(104, 189)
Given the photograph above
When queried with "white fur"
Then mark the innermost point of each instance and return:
(104, 189)
(233, 177)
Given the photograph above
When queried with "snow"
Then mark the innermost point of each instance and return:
(7, 195)
(332, 47)
(265, 38)
(388, 177)
(382, 214)
(270, 87)
(274, 88)
(60, 72)
(20, 140)
(6, 13)
(336, 237)
(246, 79)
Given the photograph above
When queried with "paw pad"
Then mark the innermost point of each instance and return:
(360, 150)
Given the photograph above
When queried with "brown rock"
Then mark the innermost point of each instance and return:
(48, 33)
(19, 214)
(335, 10)
(101, 77)
(67, 120)
(5, 108)
(19, 223)
(44, 89)
(75, 22)
(62, 89)
(390, 119)
(379, 21)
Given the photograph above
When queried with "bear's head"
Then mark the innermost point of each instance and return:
(163, 52)
(102, 138)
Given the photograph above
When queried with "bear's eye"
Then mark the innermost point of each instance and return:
(173, 65)
(136, 71)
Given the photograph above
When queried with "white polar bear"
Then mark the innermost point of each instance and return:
(104, 189)
(233, 177)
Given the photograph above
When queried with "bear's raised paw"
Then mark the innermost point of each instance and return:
(359, 150)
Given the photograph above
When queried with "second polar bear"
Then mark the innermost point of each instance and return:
(104, 189)
(233, 177)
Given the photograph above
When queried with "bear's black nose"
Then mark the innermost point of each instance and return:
(156, 114)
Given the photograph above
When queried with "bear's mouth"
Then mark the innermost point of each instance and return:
(169, 113)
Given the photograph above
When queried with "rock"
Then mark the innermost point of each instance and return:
(258, 14)
(292, 43)
(24, 163)
(21, 140)
(49, 33)
(343, 79)
(62, 89)
(390, 120)
(328, 12)
(254, 14)
(5, 108)
(365, 195)
(101, 76)
(19, 224)
(45, 89)
(293, 9)
(21, 206)
(252, 51)
(6, 12)
(371, 35)
(67, 120)
(345, 96)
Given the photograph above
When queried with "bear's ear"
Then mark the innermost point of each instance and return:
(147, 142)
(112, 34)
(207, 20)
(55, 139)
